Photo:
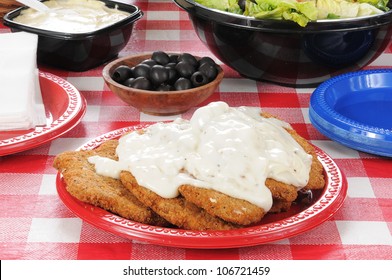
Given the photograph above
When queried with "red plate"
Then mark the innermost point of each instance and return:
(301, 217)
(64, 108)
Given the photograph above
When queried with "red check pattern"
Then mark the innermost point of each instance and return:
(34, 223)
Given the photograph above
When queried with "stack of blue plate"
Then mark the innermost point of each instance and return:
(355, 109)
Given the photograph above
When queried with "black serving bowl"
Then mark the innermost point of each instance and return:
(80, 51)
(285, 53)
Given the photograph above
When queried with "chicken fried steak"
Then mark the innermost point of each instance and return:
(85, 184)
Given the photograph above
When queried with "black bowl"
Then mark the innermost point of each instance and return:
(80, 51)
(285, 53)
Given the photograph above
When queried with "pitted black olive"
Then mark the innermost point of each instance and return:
(122, 73)
(165, 87)
(182, 84)
(160, 57)
(141, 83)
(190, 59)
(173, 58)
(141, 70)
(209, 71)
(173, 75)
(128, 82)
(171, 65)
(242, 4)
(206, 59)
(159, 74)
(185, 69)
(199, 79)
(149, 62)
(164, 72)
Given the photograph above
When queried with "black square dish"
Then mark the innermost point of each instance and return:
(80, 51)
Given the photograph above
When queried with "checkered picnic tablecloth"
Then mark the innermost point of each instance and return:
(35, 224)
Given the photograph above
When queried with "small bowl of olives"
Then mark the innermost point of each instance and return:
(161, 83)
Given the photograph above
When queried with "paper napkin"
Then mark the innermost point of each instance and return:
(21, 104)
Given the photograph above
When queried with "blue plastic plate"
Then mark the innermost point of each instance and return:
(355, 109)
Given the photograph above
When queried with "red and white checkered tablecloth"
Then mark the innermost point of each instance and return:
(35, 224)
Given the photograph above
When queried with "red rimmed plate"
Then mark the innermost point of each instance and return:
(64, 108)
(301, 217)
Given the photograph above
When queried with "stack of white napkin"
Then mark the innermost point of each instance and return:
(21, 105)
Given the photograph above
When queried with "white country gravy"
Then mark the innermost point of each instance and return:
(229, 150)
(72, 16)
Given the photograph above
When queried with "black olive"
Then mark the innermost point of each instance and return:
(185, 69)
(164, 72)
(206, 59)
(209, 70)
(199, 79)
(182, 84)
(188, 58)
(149, 62)
(173, 75)
(305, 197)
(242, 4)
(160, 57)
(128, 82)
(141, 83)
(171, 65)
(165, 87)
(159, 74)
(173, 58)
(141, 70)
(121, 73)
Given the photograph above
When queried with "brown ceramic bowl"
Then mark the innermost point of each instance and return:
(157, 102)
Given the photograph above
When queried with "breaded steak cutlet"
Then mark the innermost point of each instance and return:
(279, 205)
(316, 176)
(284, 194)
(178, 211)
(228, 208)
(244, 213)
(85, 184)
(195, 208)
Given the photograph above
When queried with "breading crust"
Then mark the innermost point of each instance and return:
(177, 211)
(316, 176)
(228, 208)
(244, 213)
(85, 184)
(196, 208)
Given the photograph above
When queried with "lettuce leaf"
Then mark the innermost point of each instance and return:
(223, 5)
(379, 4)
(345, 9)
(300, 12)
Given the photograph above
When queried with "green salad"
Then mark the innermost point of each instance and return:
(299, 11)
